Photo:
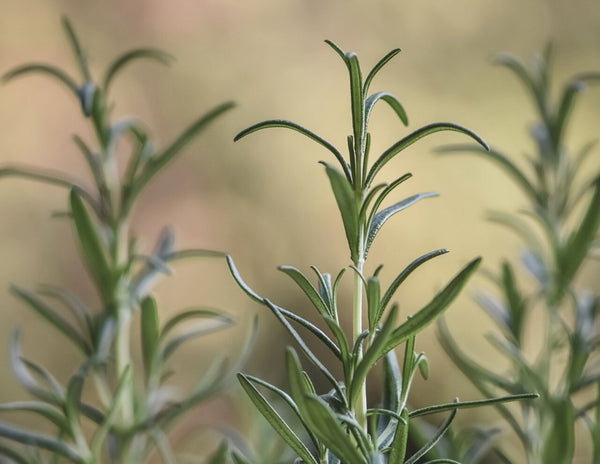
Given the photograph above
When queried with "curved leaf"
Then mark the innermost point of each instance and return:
(387, 155)
(77, 49)
(390, 100)
(434, 308)
(437, 437)
(381, 217)
(344, 196)
(41, 68)
(309, 290)
(139, 53)
(278, 424)
(406, 272)
(471, 404)
(50, 177)
(380, 64)
(303, 130)
(91, 245)
(158, 162)
(150, 332)
(53, 318)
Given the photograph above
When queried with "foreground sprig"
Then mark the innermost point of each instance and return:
(558, 230)
(339, 425)
(136, 406)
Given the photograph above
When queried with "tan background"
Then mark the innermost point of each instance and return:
(265, 199)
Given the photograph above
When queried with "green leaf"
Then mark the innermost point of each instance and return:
(357, 100)
(220, 455)
(559, 445)
(41, 68)
(344, 196)
(116, 66)
(309, 290)
(150, 332)
(519, 70)
(53, 317)
(40, 441)
(380, 64)
(92, 247)
(396, 148)
(380, 218)
(437, 437)
(387, 189)
(304, 347)
(328, 429)
(398, 448)
(434, 308)
(21, 369)
(408, 270)
(124, 384)
(567, 100)
(288, 314)
(521, 179)
(303, 130)
(278, 424)
(376, 351)
(158, 162)
(391, 100)
(373, 302)
(221, 322)
(194, 313)
(579, 242)
(43, 409)
(471, 404)
(49, 177)
(77, 49)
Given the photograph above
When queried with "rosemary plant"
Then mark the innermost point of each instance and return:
(557, 241)
(340, 425)
(135, 404)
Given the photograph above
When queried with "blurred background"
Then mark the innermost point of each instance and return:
(265, 199)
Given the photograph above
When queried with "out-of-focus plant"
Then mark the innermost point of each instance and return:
(558, 229)
(340, 426)
(134, 404)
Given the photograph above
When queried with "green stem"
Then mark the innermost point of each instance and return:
(361, 404)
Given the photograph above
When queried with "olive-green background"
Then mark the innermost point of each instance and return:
(265, 199)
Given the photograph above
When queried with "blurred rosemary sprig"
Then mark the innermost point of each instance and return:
(340, 426)
(136, 406)
(558, 230)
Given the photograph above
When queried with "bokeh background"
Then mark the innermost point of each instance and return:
(265, 199)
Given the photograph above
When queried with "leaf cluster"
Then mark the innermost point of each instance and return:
(556, 245)
(136, 406)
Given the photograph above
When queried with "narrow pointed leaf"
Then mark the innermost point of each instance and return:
(49, 177)
(288, 314)
(41, 68)
(303, 130)
(391, 100)
(579, 242)
(158, 162)
(437, 437)
(43, 409)
(434, 308)
(195, 313)
(150, 332)
(380, 64)
(471, 404)
(91, 245)
(376, 351)
(357, 100)
(408, 270)
(116, 66)
(344, 196)
(519, 70)
(309, 290)
(382, 216)
(40, 441)
(304, 347)
(278, 424)
(398, 447)
(407, 141)
(175, 342)
(373, 302)
(63, 326)
(77, 49)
